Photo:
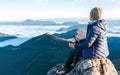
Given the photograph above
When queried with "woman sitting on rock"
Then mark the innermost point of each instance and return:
(94, 46)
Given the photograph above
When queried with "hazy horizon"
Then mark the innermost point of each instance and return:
(17, 10)
(72, 19)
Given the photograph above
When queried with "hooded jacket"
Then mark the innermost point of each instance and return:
(95, 44)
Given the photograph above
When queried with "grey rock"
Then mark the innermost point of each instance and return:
(89, 67)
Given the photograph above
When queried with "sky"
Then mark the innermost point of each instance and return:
(11, 10)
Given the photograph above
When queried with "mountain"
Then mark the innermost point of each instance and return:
(81, 26)
(117, 63)
(9, 47)
(71, 33)
(37, 22)
(30, 22)
(34, 57)
(37, 55)
(68, 19)
(115, 22)
(119, 72)
(115, 57)
(113, 44)
(42, 41)
(70, 23)
(4, 37)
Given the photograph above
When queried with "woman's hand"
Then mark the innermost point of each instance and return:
(71, 45)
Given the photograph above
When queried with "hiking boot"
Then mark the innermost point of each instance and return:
(61, 71)
(73, 64)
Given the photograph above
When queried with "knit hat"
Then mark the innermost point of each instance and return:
(96, 13)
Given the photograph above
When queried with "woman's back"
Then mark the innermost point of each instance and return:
(99, 29)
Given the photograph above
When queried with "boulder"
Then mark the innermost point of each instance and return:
(89, 67)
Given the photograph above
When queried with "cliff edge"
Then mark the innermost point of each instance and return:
(89, 67)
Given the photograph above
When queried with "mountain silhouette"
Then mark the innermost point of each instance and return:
(70, 23)
(117, 63)
(113, 44)
(71, 33)
(37, 55)
(73, 27)
(30, 22)
(4, 37)
(34, 57)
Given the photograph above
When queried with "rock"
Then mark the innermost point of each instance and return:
(54, 69)
(90, 67)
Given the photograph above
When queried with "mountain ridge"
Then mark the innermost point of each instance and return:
(4, 37)
(30, 22)
(35, 56)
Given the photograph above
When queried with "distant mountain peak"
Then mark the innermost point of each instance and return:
(4, 36)
(45, 40)
(69, 34)
(48, 33)
(28, 20)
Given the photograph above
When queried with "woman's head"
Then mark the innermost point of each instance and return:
(95, 13)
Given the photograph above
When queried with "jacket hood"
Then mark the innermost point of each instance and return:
(100, 23)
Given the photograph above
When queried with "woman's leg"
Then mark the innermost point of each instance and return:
(73, 56)
(67, 67)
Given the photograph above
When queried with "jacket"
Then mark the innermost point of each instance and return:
(95, 44)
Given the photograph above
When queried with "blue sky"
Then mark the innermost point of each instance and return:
(11, 10)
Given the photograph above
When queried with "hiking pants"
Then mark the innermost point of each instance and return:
(74, 55)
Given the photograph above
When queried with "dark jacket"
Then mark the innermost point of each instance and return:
(95, 44)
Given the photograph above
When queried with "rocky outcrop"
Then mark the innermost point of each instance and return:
(89, 67)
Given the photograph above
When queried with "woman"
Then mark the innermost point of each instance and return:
(95, 44)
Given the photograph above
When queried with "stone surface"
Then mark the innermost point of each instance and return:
(89, 67)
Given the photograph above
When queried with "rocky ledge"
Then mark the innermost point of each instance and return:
(89, 67)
